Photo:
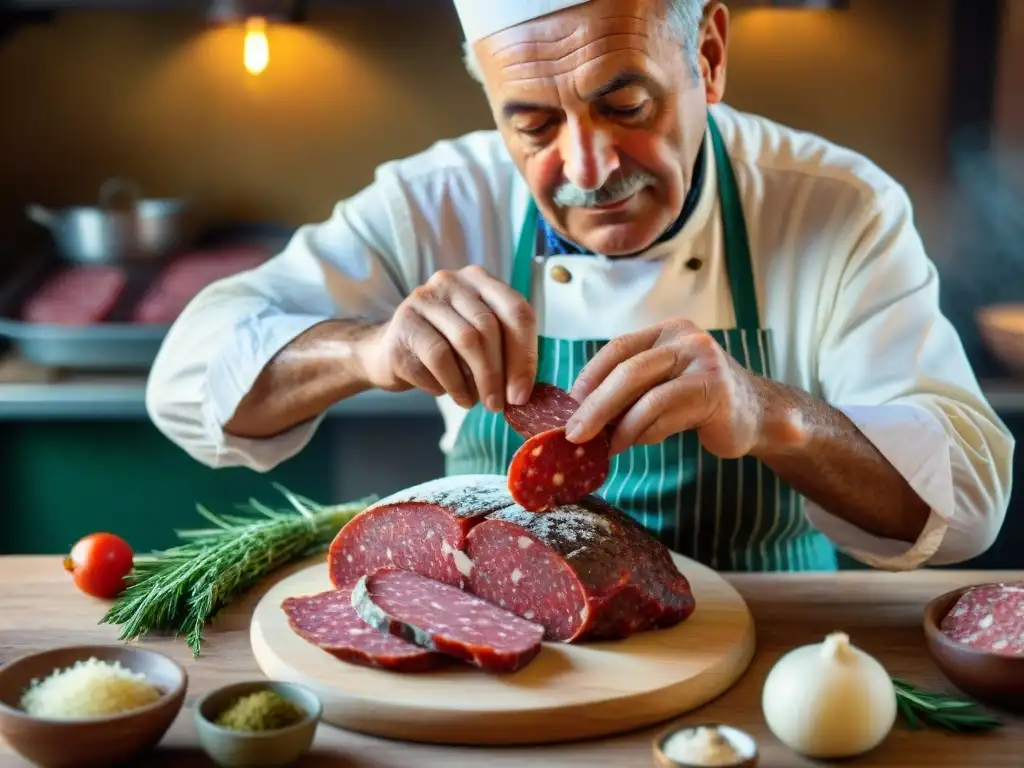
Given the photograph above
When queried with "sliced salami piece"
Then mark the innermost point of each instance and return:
(585, 572)
(328, 621)
(989, 618)
(421, 529)
(549, 407)
(548, 471)
(439, 617)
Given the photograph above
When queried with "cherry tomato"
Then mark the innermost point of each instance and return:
(99, 562)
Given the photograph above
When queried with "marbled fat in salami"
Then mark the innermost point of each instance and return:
(989, 618)
(328, 621)
(548, 471)
(585, 571)
(442, 618)
(421, 529)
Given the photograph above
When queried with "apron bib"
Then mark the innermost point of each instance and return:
(730, 514)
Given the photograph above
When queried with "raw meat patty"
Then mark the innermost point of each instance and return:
(989, 618)
(584, 571)
(440, 617)
(328, 621)
(188, 274)
(421, 529)
(76, 296)
(548, 471)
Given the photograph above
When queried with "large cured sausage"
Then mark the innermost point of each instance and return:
(548, 470)
(421, 529)
(584, 571)
(989, 618)
(442, 618)
(328, 621)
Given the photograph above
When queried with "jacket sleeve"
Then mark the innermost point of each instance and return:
(441, 209)
(346, 266)
(892, 362)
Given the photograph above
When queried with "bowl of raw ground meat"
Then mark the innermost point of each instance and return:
(975, 635)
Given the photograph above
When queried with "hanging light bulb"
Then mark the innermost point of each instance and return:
(256, 54)
(256, 15)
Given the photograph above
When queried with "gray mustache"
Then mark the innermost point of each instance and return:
(568, 195)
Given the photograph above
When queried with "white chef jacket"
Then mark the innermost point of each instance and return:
(841, 273)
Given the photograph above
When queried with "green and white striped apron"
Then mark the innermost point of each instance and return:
(731, 514)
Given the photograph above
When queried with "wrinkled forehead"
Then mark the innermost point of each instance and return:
(586, 41)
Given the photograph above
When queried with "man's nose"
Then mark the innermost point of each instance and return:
(588, 155)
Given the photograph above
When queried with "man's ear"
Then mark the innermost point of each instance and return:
(713, 50)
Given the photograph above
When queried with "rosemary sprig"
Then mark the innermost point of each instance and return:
(941, 710)
(183, 588)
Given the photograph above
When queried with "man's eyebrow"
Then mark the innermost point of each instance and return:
(512, 108)
(623, 80)
(620, 81)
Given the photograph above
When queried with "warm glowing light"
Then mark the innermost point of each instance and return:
(257, 49)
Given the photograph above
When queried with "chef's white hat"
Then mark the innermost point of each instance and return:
(481, 18)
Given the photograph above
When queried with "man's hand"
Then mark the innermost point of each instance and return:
(463, 333)
(663, 380)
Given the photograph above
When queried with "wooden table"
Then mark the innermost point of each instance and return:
(39, 607)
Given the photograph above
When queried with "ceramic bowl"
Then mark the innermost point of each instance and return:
(742, 742)
(991, 678)
(102, 741)
(1002, 330)
(283, 746)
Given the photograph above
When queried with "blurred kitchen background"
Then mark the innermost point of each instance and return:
(262, 127)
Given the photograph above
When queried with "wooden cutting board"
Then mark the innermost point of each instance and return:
(568, 692)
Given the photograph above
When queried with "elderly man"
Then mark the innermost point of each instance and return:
(750, 306)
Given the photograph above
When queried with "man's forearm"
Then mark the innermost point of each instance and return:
(308, 376)
(821, 453)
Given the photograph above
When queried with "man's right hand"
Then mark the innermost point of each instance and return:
(464, 333)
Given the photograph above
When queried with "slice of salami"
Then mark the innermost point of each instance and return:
(989, 618)
(439, 617)
(549, 407)
(548, 471)
(328, 621)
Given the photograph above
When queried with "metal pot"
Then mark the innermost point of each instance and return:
(141, 229)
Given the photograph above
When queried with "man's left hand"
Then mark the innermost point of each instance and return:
(666, 379)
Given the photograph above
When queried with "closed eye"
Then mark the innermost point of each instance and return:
(540, 129)
(630, 112)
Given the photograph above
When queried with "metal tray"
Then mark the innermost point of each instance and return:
(114, 344)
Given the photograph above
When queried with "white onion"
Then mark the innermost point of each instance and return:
(829, 699)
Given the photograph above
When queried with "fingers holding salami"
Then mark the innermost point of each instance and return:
(548, 470)
(463, 333)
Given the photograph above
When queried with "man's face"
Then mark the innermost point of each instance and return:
(603, 115)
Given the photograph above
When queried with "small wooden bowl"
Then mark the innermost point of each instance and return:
(991, 678)
(232, 748)
(741, 741)
(94, 741)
